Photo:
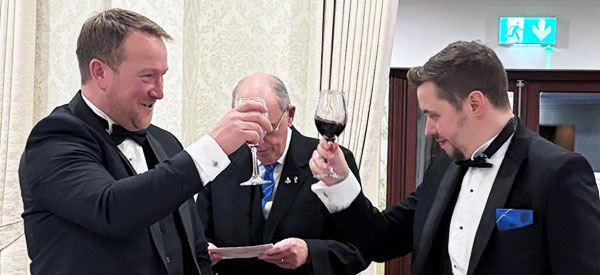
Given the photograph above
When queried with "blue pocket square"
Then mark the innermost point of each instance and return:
(507, 219)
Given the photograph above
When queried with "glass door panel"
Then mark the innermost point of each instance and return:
(572, 120)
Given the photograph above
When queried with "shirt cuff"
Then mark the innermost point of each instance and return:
(209, 158)
(338, 196)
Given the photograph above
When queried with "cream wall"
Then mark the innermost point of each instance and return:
(424, 27)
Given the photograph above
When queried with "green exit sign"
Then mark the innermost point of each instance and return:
(527, 30)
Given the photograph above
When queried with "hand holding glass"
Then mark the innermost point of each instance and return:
(330, 118)
(255, 179)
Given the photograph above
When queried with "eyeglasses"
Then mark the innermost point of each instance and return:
(276, 127)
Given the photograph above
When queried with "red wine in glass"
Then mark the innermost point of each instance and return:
(330, 119)
(329, 129)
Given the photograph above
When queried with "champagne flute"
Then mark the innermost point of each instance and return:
(330, 118)
(255, 179)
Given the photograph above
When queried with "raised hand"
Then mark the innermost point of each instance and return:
(325, 156)
(244, 123)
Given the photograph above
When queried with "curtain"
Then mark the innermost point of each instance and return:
(351, 51)
(351, 48)
(17, 52)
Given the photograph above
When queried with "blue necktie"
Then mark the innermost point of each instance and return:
(267, 188)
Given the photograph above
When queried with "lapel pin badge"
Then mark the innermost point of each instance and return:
(295, 179)
(287, 180)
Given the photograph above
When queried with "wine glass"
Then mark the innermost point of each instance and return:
(330, 118)
(255, 179)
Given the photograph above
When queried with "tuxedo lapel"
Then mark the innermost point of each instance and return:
(184, 209)
(158, 242)
(294, 175)
(515, 155)
(161, 156)
(452, 177)
(83, 112)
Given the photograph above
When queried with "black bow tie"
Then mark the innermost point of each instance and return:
(480, 161)
(119, 134)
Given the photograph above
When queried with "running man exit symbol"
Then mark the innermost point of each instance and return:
(527, 30)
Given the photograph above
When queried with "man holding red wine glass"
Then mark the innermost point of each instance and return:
(330, 119)
(499, 199)
(284, 211)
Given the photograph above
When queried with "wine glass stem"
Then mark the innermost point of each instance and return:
(254, 161)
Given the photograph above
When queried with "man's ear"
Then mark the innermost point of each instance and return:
(99, 73)
(291, 113)
(477, 102)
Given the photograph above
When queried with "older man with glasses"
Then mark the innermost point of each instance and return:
(285, 211)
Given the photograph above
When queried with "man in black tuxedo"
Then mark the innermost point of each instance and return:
(292, 217)
(499, 200)
(106, 192)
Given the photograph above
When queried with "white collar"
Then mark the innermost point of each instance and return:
(99, 113)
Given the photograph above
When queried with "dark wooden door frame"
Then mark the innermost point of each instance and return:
(401, 151)
(402, 134)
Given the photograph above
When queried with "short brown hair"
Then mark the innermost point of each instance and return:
(102, 36)
(463, 67)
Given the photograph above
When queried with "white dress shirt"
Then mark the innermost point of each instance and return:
(472, 197)
(209, 158)
(475, 189)
(276, 173)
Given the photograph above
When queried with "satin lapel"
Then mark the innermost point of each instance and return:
(184, 209)
(186, 220)
(82, 111)
(515, 155)
(155, 228)
(158, 242)
(452, 177)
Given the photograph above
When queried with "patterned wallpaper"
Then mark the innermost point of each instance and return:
(227, 40)
(215, 44)
(56, 70)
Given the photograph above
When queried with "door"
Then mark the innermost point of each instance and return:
(568, 114)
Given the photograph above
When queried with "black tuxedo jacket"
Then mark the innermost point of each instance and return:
(558, 185)
(86, 209)
(232, 215)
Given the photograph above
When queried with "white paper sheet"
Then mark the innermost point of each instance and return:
(241, 251)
